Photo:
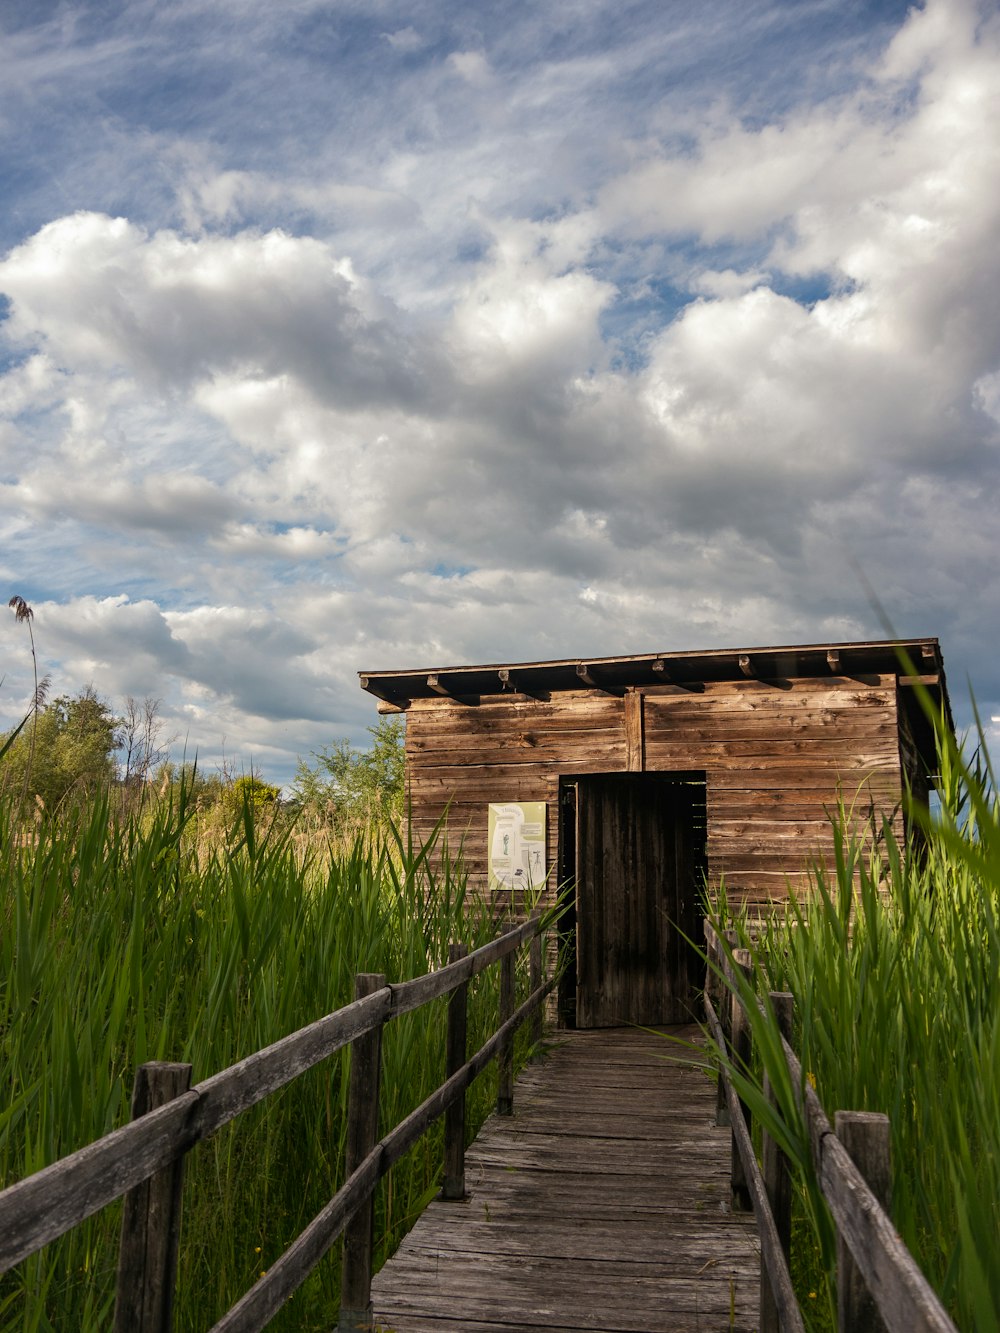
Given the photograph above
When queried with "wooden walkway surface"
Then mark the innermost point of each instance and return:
(602, 1204)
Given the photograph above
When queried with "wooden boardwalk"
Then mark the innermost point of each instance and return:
(602, 1204)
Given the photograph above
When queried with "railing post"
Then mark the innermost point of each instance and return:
(535, 980)
(505, 1060)
(865, 1135)
(777, 1176)
(151, 1219)
(362, 1134)
(454, 1116)
(740, 1053)
(715, 992)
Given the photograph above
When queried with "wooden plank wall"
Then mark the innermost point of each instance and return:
(776, 756)
(506, 749)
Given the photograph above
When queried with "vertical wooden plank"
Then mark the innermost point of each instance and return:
(536, 951)
(454, 1117)
(629, 973)
(505, 1060)
(590, 932)
(865, 1135)
(777, 1177)
(740, 1047)
(362, 1135)
(656, 880)
(631, 891)
(566, 938)
(683, 910)
(151, 1219)
(715, 991)
(635, 731)
(675, 949)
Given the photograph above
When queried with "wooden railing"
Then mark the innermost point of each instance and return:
(879, 1286)
(144, 1159)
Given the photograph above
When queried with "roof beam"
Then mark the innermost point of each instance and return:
(434, 683)
(508, 682)
(664, 677)
(586, 673)
(380, 693)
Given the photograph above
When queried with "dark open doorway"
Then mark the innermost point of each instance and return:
(635, 845)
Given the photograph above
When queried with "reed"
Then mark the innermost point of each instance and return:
(126, 940)
(894, 961)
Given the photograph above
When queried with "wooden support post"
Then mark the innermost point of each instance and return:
(865, 1135)
(635, 731)
(721, 1103)
(505, 1060)
(777, 1177)
(151, 1219)
(362, 1134)
(740, 1050)
(715, 990)
(733, 941)
(535, 974)
(454, 1116)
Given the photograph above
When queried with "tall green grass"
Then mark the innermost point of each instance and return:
(894, 962)
(122, 941)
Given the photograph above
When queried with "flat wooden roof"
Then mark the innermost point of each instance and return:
(882, 657)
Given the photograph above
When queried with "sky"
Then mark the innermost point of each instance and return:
(342, 336)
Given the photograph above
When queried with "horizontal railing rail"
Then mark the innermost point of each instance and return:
(880, 1285)
(147, 1151)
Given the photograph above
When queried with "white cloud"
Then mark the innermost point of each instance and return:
(727, 282)
(472, 66)
(443, 394)
(518, 315)
(404, 39)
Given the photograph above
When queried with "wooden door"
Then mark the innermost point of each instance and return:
(640, 856)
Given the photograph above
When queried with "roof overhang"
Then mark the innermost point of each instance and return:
(905, 658)
(914, 662)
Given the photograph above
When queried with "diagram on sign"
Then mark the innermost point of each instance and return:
(517, 845)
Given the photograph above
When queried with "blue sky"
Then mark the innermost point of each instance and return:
(338, 336)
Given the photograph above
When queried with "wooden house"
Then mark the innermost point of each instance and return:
(639, 779)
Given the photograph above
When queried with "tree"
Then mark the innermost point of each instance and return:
(250, 790)
(70, 751)
(141, 746)
(354, 784)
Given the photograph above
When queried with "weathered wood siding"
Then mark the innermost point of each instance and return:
(505, 750)
(777, 759)
(777, 756)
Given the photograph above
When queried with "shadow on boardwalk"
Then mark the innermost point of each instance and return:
(602, 1204)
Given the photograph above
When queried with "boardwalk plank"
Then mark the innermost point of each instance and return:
(601, 1206)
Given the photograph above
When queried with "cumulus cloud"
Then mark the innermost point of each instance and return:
(174, 311)
(498, 382)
